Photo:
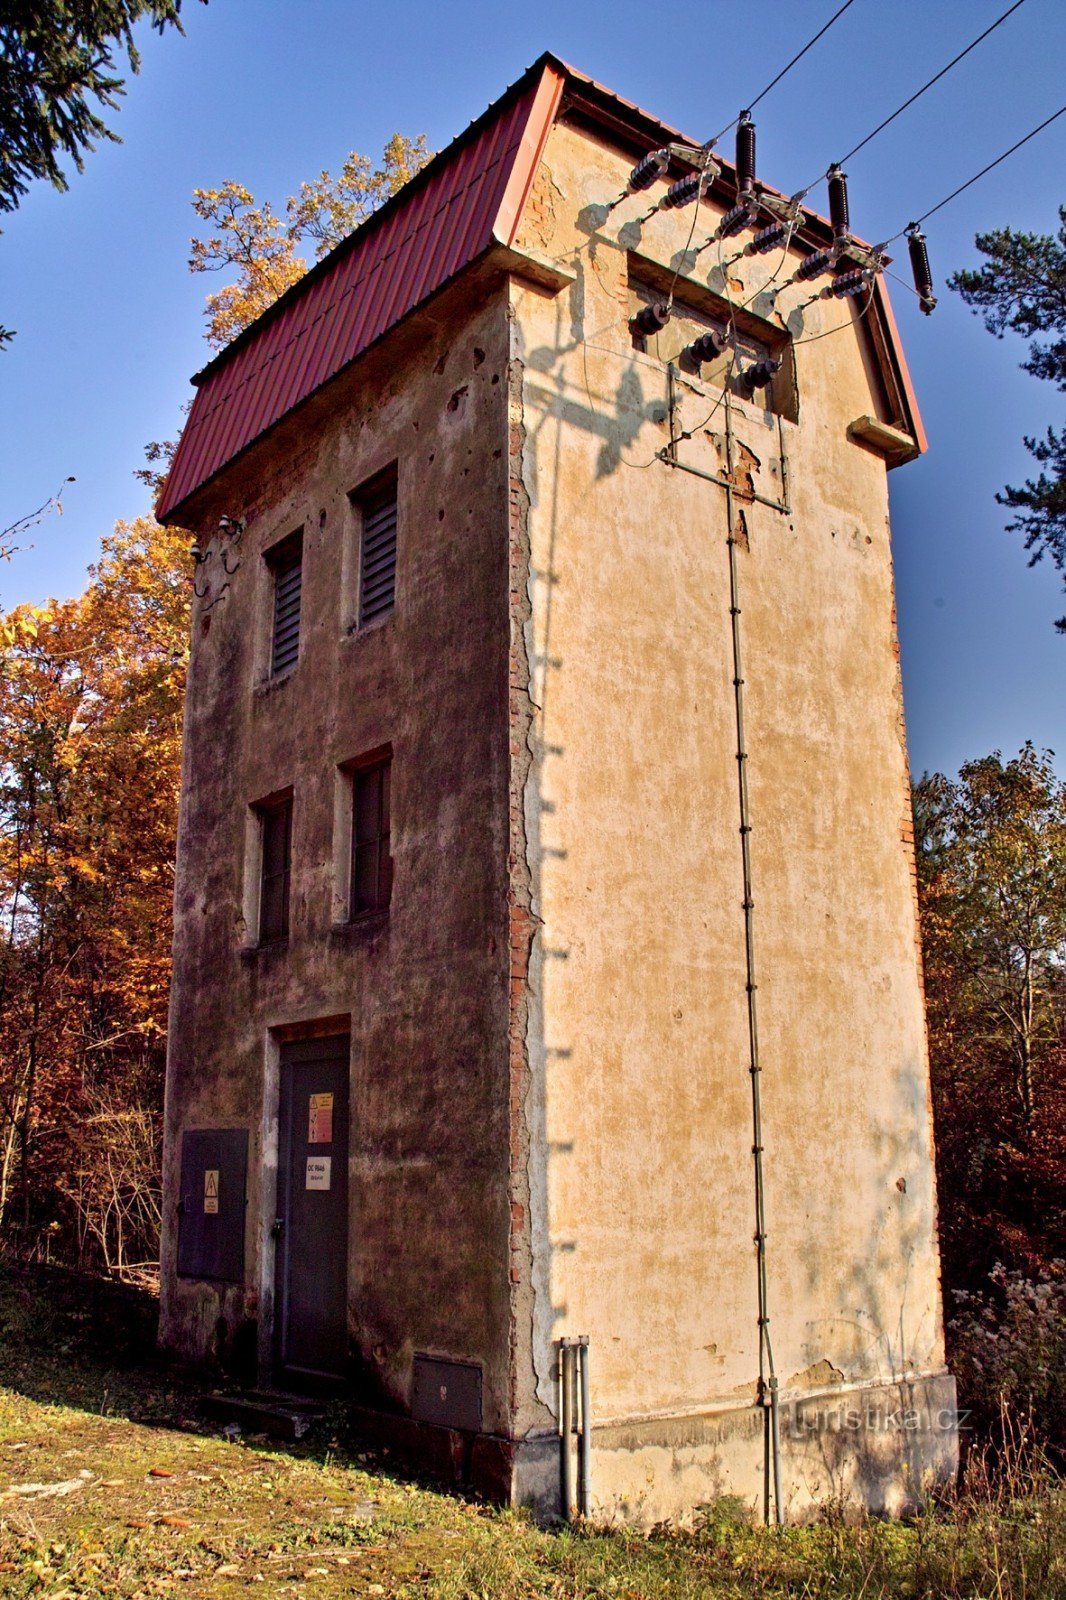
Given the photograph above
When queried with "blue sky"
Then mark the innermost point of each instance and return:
(110, 320)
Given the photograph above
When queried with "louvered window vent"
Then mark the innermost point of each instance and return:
(377, 563)
(286, 563)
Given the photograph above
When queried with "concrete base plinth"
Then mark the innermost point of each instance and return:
(878, 1446)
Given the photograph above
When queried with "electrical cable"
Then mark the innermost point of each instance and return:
(971, 181)
(881, 126)
(814, 337)
(919, 92)
(691, 235)
(901, 281)
(775, 81)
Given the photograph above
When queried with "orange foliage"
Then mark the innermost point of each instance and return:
(262, 247)
(91, 695)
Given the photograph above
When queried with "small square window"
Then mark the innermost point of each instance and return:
(370, 886)
(376, 506)
(275, 871)
(285, 561)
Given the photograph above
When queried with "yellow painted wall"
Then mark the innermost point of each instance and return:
(640, 1177)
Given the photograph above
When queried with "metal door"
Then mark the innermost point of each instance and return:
(311, 1263)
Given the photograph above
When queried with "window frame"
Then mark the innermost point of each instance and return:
(703, 309)
(368, 499)
(277, 805)
(375, 764)
(282, 559)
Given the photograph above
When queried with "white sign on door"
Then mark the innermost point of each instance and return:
(318, 1172)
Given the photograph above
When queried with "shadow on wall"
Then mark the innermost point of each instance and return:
(861, 1441)
(894, 1331)
(553, 403)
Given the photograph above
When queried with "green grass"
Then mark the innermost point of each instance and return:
(151, 1502)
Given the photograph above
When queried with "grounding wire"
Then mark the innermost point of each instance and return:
(881, 126)
(775, 81)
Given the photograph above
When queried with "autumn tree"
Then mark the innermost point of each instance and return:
(992, 883)
(91, 694)
(264, 249)
(1022, 288)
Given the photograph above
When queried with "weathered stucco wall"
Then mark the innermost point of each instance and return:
(425, 990)
(637, 1104)
(551, 1128)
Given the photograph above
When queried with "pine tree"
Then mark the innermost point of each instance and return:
(54, 56)
(1023, 287)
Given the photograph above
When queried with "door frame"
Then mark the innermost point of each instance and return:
(334, 1026)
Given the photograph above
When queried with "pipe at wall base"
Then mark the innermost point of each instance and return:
(566, 1426)
(584, 1460)
(574, 1417)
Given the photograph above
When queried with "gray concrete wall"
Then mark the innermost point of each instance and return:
(424, 990)
(635, 1174)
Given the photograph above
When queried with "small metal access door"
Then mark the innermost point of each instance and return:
(311, 1262)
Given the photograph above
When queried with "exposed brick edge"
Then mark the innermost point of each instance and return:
(522, 923)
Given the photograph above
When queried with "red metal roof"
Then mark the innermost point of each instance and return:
(467, 197)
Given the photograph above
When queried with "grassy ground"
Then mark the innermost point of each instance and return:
(111, 1485)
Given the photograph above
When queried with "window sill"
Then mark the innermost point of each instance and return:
(265, 951)
(361, 927)
(359, 630)
(268, 686)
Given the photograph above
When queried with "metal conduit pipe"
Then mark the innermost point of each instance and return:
(566, 1426)
(768, 1386)
(584, 1460)
(574, 1415)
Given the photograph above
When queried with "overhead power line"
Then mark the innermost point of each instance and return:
(977, 175)
(786, 69)
(881, 126)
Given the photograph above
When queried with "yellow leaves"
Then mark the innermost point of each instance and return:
(233, 308)
(262, 247)
(24, 623)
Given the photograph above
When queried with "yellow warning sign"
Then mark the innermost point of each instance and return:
(320, 1119)
(211, 1191)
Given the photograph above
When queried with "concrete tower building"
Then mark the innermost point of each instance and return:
(503, 577)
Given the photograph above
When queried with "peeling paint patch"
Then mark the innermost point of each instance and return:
(819, 1376)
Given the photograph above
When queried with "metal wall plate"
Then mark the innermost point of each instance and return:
(214, 1175)
(447, 1393)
